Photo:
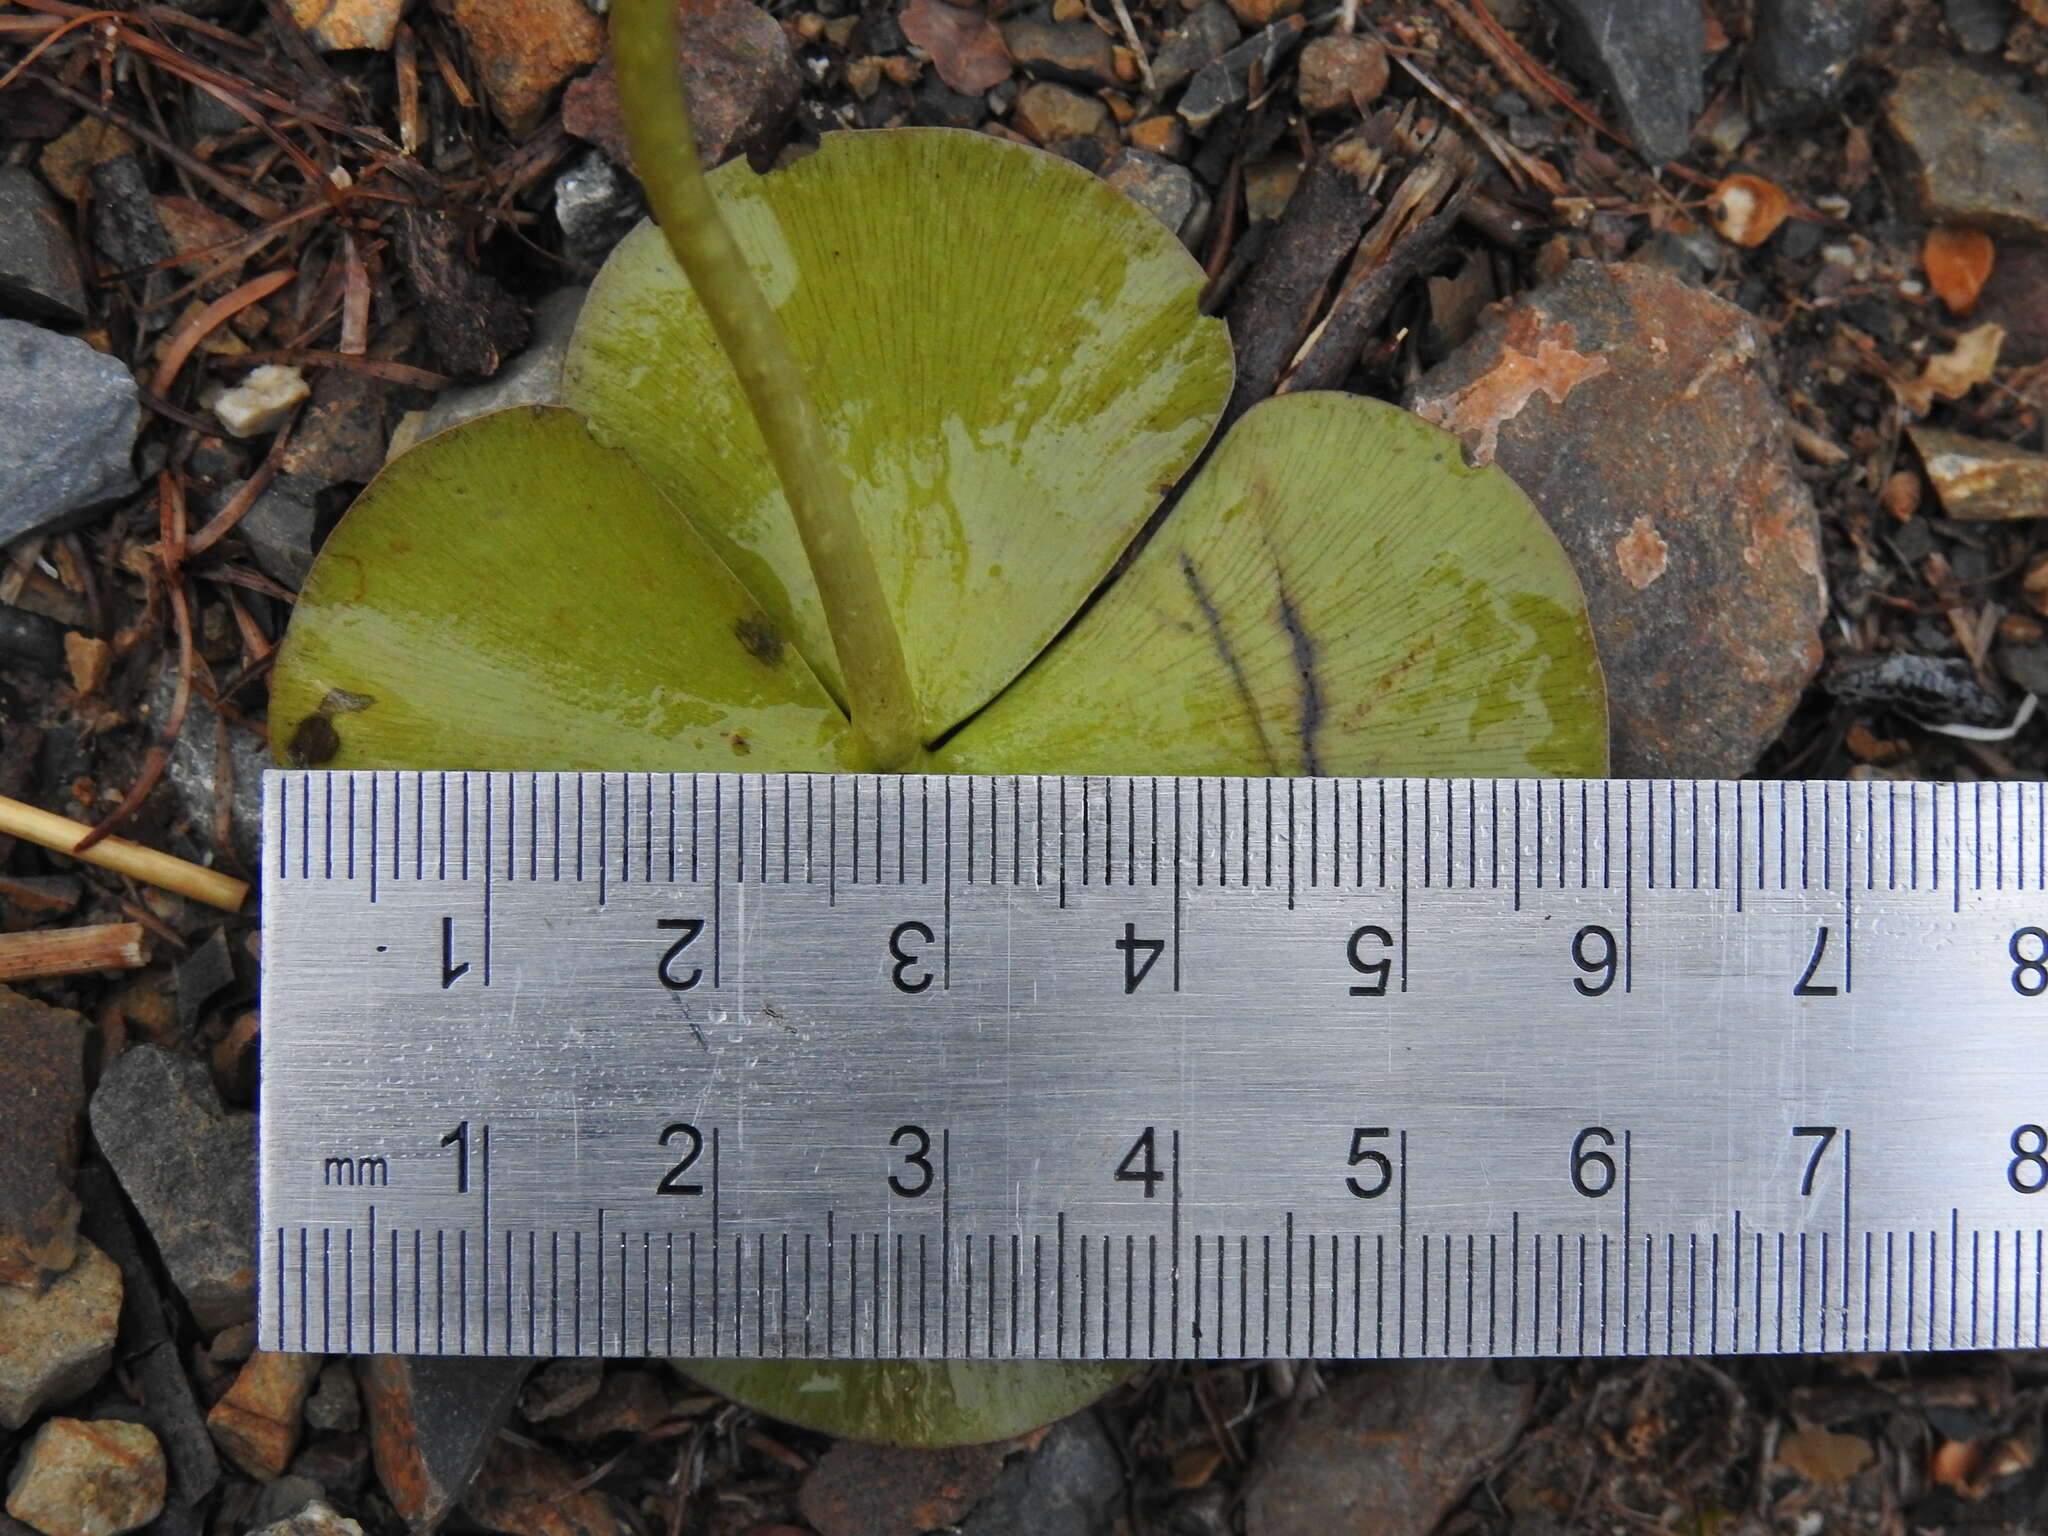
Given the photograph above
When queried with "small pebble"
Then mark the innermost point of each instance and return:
(88, 1477)
(256, 1425)
(560, 1387)
(1048, 113)
(314, 1519)
(261, 402)
(56, 1345)
(335, 1403)
(1342, 72)
(1268, 184)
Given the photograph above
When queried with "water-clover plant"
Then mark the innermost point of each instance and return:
(917, 539)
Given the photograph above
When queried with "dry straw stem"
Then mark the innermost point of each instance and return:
(49, 830)
(664, 146)
(72, 951)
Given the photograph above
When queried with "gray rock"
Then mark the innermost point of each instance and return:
(1224, 82)
(200, 975)
(314, 1519)
(125, 224)
(431, 1421)
(1800, 53)
(283, 1499)
(596, 205)
(1391, 1450)
(1071, 1485)
(1167, 191)
(279, 529)
(1939, 690)
(31, 636)
(2026, 665)
(335, 1403)
(534, 377)
(1975, 147)
(195, 769)
(189, 1169)
(1980, 26)
(149, 1349)
(38, 267)
(938, 105)
(1202, 39)
(1649, 55)
(72, 415)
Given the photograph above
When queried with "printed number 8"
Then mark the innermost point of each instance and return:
(2029, 972)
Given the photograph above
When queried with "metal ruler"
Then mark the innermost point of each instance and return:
(1037, 1068)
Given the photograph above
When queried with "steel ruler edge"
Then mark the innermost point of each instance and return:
(1078, 1068)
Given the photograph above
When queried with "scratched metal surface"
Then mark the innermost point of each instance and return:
(1388, 1068)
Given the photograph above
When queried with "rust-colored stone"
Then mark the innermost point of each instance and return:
(42, 1082)
(525, 48)
(739, 76)
(430, 1421)
(256, 1424)
(336, 24)
(856, 1489)
(523, 1491)
(967, 48)
(1342, 72)
(1639, 414)
(1391, 1450)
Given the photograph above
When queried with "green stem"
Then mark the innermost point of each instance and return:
(879, 695)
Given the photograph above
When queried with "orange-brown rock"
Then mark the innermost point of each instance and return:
(524, 49)
(256, 1424)
(1640, 415)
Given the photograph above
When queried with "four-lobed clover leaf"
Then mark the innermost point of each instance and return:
(1011, 362)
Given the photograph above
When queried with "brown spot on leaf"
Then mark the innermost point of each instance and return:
(314, 742)
(1477, 411)
(759, 638)
(1641, 553)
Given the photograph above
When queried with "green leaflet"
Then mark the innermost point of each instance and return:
(911, 1402)
(1005, 348)
(510, 594)
(1336, 593)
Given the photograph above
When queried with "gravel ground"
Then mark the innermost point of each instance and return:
(246, 247)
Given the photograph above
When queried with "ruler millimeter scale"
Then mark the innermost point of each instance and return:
(1064, 1068)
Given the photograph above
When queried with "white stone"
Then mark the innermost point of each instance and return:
(262, 401)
